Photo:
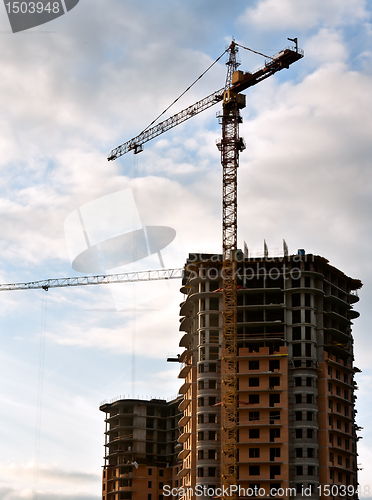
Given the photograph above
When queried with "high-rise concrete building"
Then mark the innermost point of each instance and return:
(295, 381)
(140, 448)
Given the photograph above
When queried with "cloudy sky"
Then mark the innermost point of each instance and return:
(73, 89)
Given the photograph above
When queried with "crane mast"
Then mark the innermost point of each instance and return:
(230, 146)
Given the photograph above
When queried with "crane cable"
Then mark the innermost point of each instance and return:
(184, 92)
(254, 51)
(40, 390)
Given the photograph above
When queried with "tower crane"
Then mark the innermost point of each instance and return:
(230, 146)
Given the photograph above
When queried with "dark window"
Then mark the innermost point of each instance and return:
(149, 496)
(150, 472)
(296, 333)
(299, 487)
(274, 399)
(274, 471)
(200, 455)
(274, 381)
(212, 471)
(307, 299)
(212, 400)
(274, 365)
(339, 459)
(200, 472)
(254, 415)
(161, 473)
(296, 300)
(330, 371)
(309, 381)
(274, 452)
(161, 485)
(308, 350)
(254, 382)
(310, 470)
(254, 470)
(298, 415)
(274, 433)
(212, 367)
(254, 452)
(297, 350)
(339, 441)
(254, 433)
(200, 418)
(212, 384)
(307, 316)
(310, 416)
(298, 398)
(274, 415)
(211, 435)
(331, 438)
(200, 436)
(254, 365)
(211, 454)
(299, 470)
(298, 433)
(254, 399)
(200, 402)
(149, 484)
(296, 316)
(298, 452)
(310, 452)
(307, 332)
(212, 417)
(309, 399)
(310, 433)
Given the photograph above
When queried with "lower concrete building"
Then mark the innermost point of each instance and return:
(140, 448)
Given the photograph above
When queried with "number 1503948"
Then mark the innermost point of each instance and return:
(32, 7)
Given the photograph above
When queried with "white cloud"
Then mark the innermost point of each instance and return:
(292, 14)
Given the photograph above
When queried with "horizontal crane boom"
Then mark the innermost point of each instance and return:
(240, 82)
(103, 279)
(135, 144)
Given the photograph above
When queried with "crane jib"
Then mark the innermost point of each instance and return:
(241, 81)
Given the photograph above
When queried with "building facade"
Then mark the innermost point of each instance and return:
(140, 448)
(295, 381)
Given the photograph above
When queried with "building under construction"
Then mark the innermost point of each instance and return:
(140, 452)
(295, 386)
